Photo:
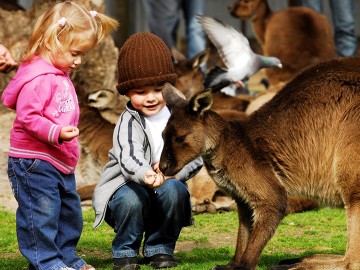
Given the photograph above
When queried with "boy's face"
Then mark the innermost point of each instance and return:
(147, 100)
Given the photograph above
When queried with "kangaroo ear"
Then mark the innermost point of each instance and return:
(172, 96)
(177, 55)
(100, 98)
(200, 59)
(201, 102)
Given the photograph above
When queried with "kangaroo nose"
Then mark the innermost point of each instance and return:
(163, 167)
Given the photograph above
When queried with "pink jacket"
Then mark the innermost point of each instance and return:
(45, 100)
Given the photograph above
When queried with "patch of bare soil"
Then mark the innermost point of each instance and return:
(215, 240)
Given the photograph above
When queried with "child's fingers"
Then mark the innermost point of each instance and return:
(150, 180)
(156, 167)
(159, 180)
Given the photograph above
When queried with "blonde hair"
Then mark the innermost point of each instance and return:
(65, 24)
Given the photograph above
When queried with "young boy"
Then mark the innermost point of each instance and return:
(132, 195)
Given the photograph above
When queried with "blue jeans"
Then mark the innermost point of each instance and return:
(158, 214)
(342, 14)
(195, 35)
(49, 217)
(163, 17)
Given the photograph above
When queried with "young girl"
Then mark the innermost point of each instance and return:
(43, 142)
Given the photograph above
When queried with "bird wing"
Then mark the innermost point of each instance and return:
(233, 47)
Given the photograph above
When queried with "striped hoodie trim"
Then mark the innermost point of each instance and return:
(41, 155)
(52, 133)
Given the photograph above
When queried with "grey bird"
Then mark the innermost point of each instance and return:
(234, 49)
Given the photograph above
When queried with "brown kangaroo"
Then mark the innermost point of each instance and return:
(298, 36)
(304, 142)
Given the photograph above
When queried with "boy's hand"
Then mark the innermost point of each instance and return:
(68, 133)
(157, 170)
(153, 179)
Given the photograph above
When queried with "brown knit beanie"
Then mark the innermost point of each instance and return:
(144, 60)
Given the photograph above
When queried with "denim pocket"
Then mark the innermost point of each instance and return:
(29, 165)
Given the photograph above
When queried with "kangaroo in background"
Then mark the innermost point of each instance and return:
(298, 36)
(304, 142)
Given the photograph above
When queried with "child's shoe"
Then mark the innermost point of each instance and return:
(130, 263)
(161, 261)
(87, 267)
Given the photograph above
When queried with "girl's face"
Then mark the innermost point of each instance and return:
(147, 100)
(71, 59)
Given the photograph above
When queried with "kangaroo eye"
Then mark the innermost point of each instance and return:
(180, 139)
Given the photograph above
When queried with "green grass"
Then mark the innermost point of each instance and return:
(210, 241)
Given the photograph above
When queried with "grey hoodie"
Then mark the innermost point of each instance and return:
(130, 157)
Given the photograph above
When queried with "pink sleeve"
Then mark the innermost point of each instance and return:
(32, 104)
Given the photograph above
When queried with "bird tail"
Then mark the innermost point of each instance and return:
(214, 79)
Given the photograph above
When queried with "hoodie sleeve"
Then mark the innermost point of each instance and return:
(8, 98)
(190, 169)
(34, 105)
(10, 94)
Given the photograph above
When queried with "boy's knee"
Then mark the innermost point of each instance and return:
(129, 199)
(176, 190)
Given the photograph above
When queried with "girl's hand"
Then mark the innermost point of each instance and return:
(153, 179)
(68, 133)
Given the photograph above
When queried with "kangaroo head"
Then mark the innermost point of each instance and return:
(246, 9)
(184, 135)
(190, 77)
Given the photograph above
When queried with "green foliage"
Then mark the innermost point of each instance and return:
(210, 241)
